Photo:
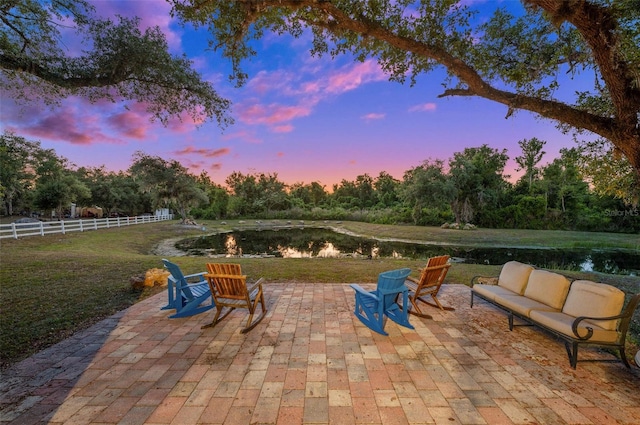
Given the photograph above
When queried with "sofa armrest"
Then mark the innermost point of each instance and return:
(576, 323)
(485, 280)
(623, 325)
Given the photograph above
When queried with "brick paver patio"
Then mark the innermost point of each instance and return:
(311, 361)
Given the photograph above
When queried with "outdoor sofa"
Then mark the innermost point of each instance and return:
(578, 312)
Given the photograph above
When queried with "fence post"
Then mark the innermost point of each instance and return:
(14, 230)
(62, 226)
(41, 228)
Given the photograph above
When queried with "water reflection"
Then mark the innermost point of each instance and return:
(232, 246)
(324, 243)
(329, 251)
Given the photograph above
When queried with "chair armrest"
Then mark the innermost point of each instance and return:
(441, 266)
(359, 289)
(226, 276)
(255, 285)
(195, 275)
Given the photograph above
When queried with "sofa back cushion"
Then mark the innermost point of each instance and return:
(514, 276)
(593, 299)
(548, 288)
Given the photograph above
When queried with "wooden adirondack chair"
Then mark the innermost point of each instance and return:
(185, 297)
(431, 278)
(373, 308)
(229, 289)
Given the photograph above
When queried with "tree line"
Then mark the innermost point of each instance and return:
(471, 187)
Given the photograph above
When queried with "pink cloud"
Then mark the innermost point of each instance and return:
(129, 123)
(306, 94)
(350, 78)
(195, 165)
(244, 135)
(183, 124)
(311, 87)
(472, 2)
(423, 107)
(265, 81)
(280, 154)
(70, 122)
(287, 128)
(271, 114)
(59, 127)
(207, 153)
(80, 122)
(373, 116)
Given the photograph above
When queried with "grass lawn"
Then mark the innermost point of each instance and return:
(55, 285)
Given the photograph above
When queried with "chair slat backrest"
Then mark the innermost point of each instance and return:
(390, 284)
(224, 268)
(178, 277)
(392, 280)
(228, 280)
(433, 273)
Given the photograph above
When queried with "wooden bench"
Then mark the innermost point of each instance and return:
(578, 312)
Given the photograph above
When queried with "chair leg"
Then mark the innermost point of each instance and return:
(250, 322)
(440, 305)
(217, 318)
(371, 315)
(436, 303)
(416, 310)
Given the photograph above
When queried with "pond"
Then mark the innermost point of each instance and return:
(318, 242)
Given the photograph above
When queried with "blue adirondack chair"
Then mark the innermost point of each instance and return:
(186, 298)
(373, 307)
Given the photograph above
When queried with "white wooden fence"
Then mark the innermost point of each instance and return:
(19, 230)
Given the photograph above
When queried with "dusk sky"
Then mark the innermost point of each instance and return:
(305, 118)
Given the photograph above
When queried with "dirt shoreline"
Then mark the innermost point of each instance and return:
(167, 248)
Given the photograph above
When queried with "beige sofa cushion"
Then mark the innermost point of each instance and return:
(593, 299)
(561, 322)
(491, 291)
(548, 288)
(514, 276)
(521, 304)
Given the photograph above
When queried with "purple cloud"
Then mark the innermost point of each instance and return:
(423, 107)
(207, 153)
(373, 116)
